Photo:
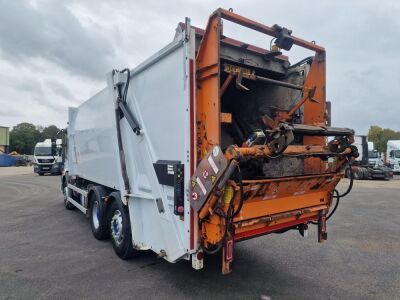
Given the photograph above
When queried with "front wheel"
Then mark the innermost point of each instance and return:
(120, 229)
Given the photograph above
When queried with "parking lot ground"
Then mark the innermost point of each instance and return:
(11, 171)
(49, 252)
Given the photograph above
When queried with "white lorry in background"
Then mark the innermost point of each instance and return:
(369, 164)
(374, 157)
(393, 155)
(47, 157)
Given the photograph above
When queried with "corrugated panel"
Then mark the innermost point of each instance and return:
(4, 136)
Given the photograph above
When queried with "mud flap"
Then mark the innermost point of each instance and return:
(227, 256)
(322, 234)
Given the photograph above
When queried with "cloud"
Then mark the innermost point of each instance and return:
(50, 31)
(54, 54)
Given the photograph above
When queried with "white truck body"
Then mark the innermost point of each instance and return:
(358, 144)
(47, 158)
(393, 154)
(165, 134)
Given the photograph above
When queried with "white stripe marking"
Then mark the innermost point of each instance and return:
(213, 165)
(203, 189)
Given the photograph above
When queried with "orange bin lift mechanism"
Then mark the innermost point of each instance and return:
(269, 204)
(208, 85)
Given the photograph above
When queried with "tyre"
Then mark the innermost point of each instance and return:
(98, 213)
(40, 174)
(365, 174)
(120, 229)
(357, 174)
(67, 204)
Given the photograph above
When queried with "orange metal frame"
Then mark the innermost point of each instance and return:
(208, 85)
(271, 204)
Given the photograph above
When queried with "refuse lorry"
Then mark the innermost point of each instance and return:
(209, 142)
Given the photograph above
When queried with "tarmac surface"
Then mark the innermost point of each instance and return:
(49, 252)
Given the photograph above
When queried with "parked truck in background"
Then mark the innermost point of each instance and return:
(374, 157)
(393, 155)
(209, 142)
(47, 157)
(368, 165)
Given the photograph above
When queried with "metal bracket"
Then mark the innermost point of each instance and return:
(187, 29)
(129, 117)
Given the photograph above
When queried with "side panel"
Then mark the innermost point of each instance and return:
(92, 151)
(158, 97)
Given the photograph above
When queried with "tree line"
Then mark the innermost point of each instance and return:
(379, 136)
(24, 136)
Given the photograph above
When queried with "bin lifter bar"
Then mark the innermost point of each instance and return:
(235, 18)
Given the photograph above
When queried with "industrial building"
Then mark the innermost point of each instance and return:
(4, 139)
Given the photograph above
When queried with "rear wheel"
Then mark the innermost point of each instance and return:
(98, 215)
(120, 229)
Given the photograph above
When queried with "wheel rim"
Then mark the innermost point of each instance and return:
(117, 227)
(96, 215)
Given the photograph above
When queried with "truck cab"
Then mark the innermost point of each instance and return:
(47, 157)
(374, 157)
(393, 155)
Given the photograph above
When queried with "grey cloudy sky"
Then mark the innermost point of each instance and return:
(55, 54)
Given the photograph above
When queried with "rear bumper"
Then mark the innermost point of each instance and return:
(245, 235)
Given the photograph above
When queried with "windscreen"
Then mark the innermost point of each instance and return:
(373, 154)
(396, 153)
(43, 151)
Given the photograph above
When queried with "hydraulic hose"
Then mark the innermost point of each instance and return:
(240, 177)
(337, 196)
(350, 187)
(219, 211)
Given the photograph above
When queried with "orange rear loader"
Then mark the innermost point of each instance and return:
(265, 123)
